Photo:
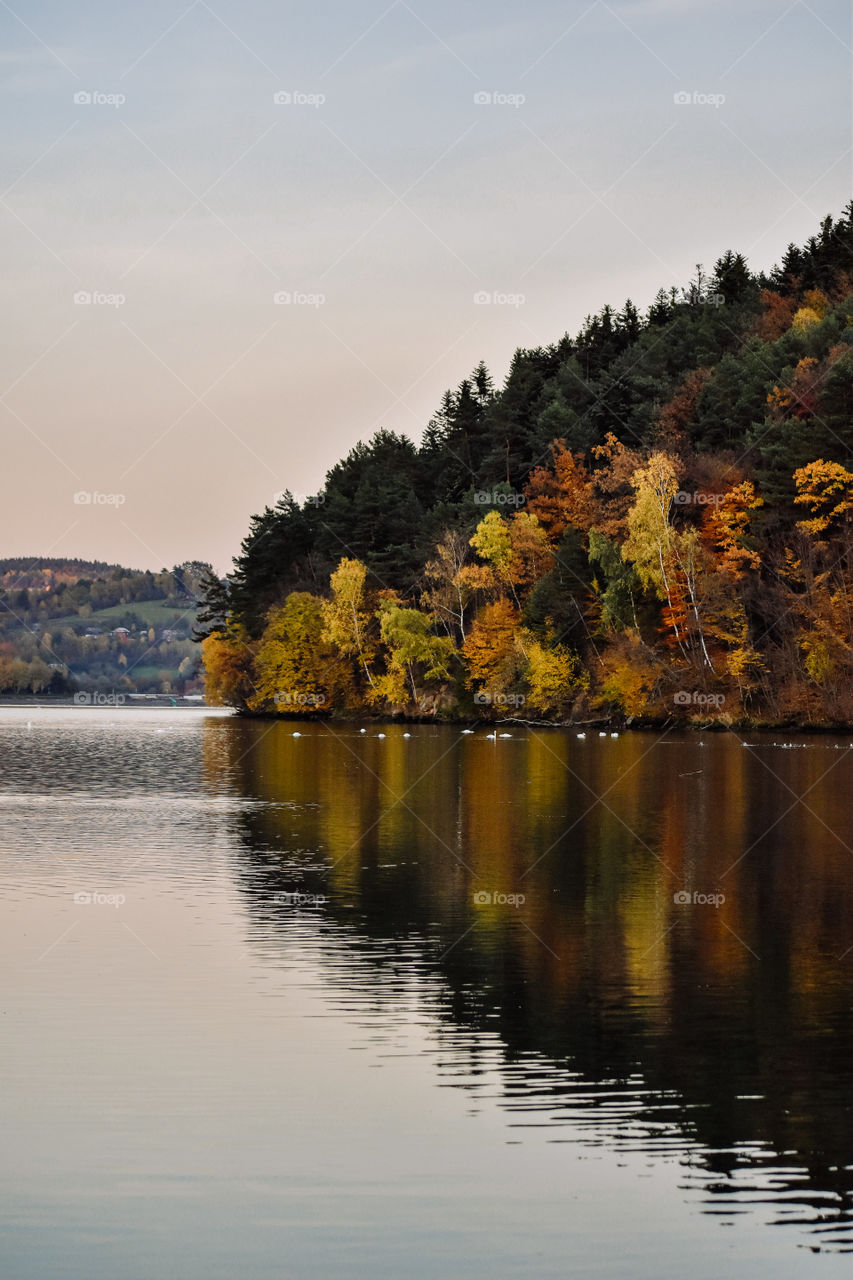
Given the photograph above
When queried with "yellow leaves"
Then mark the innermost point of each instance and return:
(827, 489)
(631, 675)
(818, 658)
(554, 676)
(228, 669)
(517, 549)
(294, 671)
(492, 542)
(804, 319)
(650, 540)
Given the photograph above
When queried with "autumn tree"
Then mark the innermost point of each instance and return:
(348, 615)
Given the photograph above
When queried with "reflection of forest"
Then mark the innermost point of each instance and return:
(733, 1023)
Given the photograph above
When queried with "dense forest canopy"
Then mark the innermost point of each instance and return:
(652, 516)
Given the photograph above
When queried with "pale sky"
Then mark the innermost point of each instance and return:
(381, 197)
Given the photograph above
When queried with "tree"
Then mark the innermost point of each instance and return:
(493, 649)
(450, 583)
(413, 647)
(297, 669)
(347, 617)
(228, 666)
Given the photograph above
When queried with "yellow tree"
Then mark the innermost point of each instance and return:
(347, 616)
(826, 488)
(413, 649)
(228, 668)
(554, 677)
(296, 670)
(516, 550)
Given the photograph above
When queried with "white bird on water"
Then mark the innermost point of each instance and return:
(614, 735)
(467, 730)
(581, 735)
(407, 735)
(493, 736)
(362, 731)
(296, 734)
(506, 735)
(380, 735)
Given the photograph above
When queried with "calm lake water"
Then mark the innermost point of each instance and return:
(343, 1005)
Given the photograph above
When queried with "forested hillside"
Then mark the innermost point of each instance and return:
(70, 625)
(652, 518)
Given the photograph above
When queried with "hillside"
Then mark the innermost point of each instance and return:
(652, 518)
(68, 625)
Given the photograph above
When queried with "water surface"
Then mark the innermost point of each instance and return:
(435, 1006)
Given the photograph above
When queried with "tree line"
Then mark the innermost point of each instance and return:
(650, 518)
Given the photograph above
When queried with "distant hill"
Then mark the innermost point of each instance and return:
(38, 571)
(68, 624)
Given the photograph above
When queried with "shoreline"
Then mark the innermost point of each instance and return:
(612, 724)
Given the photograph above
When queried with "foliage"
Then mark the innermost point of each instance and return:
(660, 503)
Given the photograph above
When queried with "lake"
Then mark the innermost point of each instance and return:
(426, 1004)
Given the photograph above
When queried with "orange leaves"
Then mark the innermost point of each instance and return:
(727, 527)
(562, 494)
(492, 651)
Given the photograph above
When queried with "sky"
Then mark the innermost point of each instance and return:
(239, 237)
